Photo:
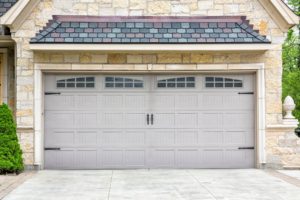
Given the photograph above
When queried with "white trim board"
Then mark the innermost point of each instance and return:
(151, 47)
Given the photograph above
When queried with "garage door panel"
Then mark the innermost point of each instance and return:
(238, 158)
(135, 158)
(212, 158)
(86, 102)
(135, 138)
(192, 127)
(164, 102)
(112, 120)
(187, 101)
(112, 102)
(63, 159)
(236, 138)
(162, 158)
(86, 138)
(211, 120)
(60, 102)
(112, 137)
(86, 158)
(186, 137)
(112, 158)
(161, 137)
(135, 102)
(86, 120)
(186, 120)
(187, 158)
(56, 120)
(135, 120)
(212, 138)
(212, 101)
(163, 120)
(58, 138)
(240, 120)
(238, 102)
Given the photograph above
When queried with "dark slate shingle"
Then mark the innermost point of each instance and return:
(60, 30)
(5, 5)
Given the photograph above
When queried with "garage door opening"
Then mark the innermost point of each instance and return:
(149, 121)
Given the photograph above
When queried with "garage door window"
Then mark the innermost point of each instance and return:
(76, 82)
(222, 82)
(123, 82)
(176, 82)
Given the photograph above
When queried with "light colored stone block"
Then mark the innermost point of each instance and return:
(212, 67)
(53, 66)
(159, 7)
(181, 67)
(118, 67)
(87, 67)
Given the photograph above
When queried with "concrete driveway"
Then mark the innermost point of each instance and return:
(155, 185)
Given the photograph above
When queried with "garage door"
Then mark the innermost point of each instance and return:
(157, 121)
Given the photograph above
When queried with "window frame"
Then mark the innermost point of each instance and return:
(133, 80)
(216, 79)
(64, 80)
(166, 79)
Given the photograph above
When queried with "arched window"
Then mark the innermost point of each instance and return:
(123, 82)
(222, 82)
(76, 82)
(177, 82)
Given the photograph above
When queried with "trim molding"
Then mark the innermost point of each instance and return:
(283, 16)
(18, 13)
(39, 70)
(151, 47)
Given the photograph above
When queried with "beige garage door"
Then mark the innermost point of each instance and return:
(157, 121)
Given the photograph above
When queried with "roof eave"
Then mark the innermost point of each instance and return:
(283, 16)
(15, 16)
(151, 47)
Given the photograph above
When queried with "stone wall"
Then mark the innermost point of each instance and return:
(46, 8)
(283, 149)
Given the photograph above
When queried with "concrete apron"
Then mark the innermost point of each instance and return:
(249, 184)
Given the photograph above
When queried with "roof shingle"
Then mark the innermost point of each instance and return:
(143, 30)
(5, 5)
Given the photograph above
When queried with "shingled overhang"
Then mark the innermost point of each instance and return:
(5, 5)
(120, 31)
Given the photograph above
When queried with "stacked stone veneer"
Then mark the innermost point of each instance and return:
(163, 61)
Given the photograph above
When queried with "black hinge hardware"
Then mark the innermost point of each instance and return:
(52, 93)
(52, 149)
(246, 148)
(246, 93)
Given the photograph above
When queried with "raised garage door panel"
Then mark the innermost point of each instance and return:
(97, 121)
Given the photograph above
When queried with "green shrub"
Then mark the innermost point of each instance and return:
(10, 153)
(291, 86)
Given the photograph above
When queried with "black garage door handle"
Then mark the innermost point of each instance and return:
(52, 149)
(52, 93)
(246, 147)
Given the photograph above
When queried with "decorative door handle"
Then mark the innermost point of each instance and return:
(147, 119)
(152, 119)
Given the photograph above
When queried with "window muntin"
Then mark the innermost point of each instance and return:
(123, 82)
(76, 82)
(222, 82)
(177, 82)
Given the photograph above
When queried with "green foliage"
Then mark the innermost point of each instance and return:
(10, 153)
(295, 5)
(291, 86)
(291, 63)
(291, 52)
